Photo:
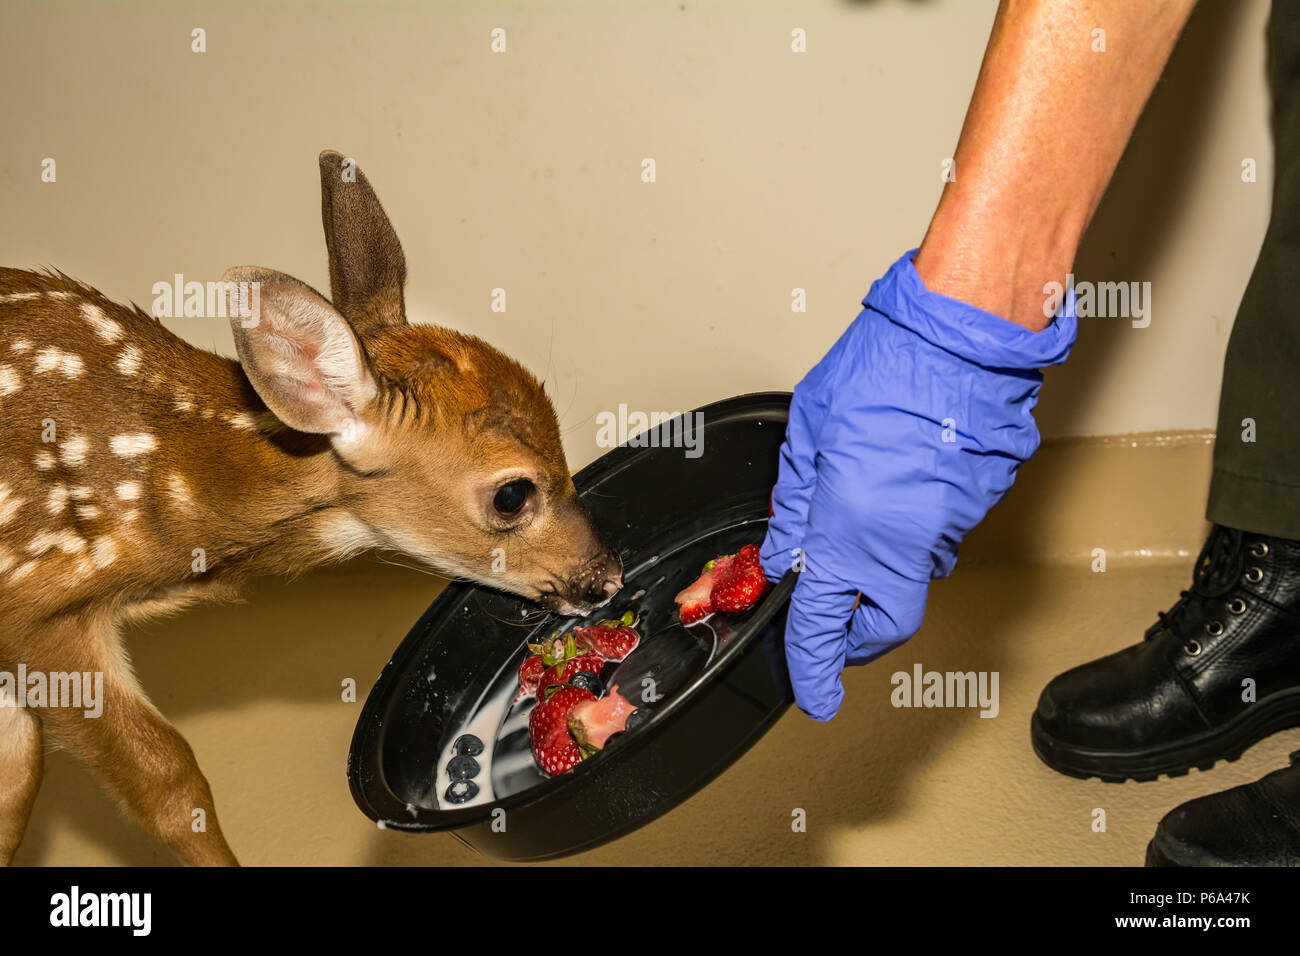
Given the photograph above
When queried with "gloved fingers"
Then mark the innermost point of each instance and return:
(796, 476)
(785, 529)
(876, 629)
(815, 642)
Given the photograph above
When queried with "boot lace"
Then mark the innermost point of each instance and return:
(1218, 568)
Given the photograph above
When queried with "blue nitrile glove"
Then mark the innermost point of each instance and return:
(870, 496)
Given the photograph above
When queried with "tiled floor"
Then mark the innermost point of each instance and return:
(256, 690)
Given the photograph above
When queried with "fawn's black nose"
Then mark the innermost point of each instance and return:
(600, 581)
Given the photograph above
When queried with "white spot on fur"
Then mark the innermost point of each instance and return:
(128, 491)
(208, 413)
(59, 295)
(87, 512)
(182, 405)
(58, 500)
(44, 460)
(103, 551)
(179, 490)
(344, 535)
(73, 451)
(9, 504)
(68, 364)
(104, 327)
(82, 493)
(9, 381)
(128, 360)
(65, 541)
(243, 420)
(18, 296)
(7, 559)
(20, 346)
(22, 571)
(128, 446)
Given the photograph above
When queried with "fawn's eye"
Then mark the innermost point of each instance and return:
(512, 496)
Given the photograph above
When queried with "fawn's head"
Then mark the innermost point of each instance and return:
(447, 450)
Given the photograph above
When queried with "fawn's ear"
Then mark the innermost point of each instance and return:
(301, 356)
(367, 267)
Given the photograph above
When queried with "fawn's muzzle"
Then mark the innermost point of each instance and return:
(592, 586)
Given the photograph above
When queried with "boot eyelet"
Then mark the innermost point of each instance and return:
(1213, 628)
(1192, 648)
(1236, 606)
(1259, 550)
(1254, 575)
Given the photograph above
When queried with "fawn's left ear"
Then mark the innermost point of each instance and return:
(367, 266)
(301, 355)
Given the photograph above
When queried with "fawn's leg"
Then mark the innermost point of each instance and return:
(137, 755)
(22, 764)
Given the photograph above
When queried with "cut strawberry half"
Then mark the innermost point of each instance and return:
(613, 640)
(694, 602)
(530, 672)
(739, 586)
(730, 583)
(593, 722)
(553, 745)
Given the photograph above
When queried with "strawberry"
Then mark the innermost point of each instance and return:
(739, 585)
(530, 672)
(613, 640)
(695, 601)
(548, 730)
(730, 583)
(561, 672)
(593, 722)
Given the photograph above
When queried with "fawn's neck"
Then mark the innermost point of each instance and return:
(245, 496)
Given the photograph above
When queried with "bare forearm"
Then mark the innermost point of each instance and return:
(1046, 126)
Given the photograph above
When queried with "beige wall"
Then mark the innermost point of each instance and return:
(521, 171)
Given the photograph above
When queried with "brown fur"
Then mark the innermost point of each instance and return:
(445, 420)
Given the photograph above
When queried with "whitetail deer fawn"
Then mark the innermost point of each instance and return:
(124, 450)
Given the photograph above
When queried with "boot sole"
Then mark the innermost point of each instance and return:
(1156, 858)
(1202, 751)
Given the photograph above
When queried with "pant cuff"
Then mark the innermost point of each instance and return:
(1257, 505)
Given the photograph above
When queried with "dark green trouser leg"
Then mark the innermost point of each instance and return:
(1256, 485)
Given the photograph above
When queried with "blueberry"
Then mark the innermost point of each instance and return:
(462, 791)
(462, 768)
(636, 719)
(588, 680)
(467, 744)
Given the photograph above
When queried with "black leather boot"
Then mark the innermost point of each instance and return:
(1254, 825)
(1218, 671)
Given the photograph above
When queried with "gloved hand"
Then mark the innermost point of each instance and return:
(899, 442)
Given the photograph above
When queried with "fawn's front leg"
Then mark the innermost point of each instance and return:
(137, 755)
(22, 764)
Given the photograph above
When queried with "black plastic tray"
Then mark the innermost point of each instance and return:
(724, 682)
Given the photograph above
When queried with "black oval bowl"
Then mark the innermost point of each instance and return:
(723, 683)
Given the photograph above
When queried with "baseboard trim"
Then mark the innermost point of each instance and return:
(1136, 497)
